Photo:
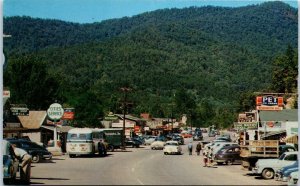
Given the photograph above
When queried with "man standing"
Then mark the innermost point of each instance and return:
(198, 148)
(25, 160)
(190, 147)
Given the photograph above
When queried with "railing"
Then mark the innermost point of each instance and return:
(260, 148)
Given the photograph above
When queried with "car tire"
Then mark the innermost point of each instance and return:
(220, 163)
(229, 162)
(35, 158)
(71, 155)
(267, 174)
(166, 153)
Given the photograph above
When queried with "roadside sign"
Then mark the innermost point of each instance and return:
(55, 111)
(19, 110)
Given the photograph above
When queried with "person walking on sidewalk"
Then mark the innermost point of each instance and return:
(198, 148)
(190, 147)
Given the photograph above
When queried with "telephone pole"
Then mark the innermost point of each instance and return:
(125, 90)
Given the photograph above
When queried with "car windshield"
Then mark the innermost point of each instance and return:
(282, 157)
(172, 144)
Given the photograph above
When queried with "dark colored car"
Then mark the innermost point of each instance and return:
(37, 152)
(212, 133)
(198, 136)
(10, 163)
(284, 170)
(134, 142)
(179, 139)
(286, 148)
(228, 155)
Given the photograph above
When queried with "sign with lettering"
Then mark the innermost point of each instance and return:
(269, 103)
(68, 114)
(55, 111)
(245, 125)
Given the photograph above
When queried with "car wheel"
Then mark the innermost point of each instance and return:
(71, 155)
(166, 153)
(268, 174)
(220, 163)
(35, 158)
(229, 162)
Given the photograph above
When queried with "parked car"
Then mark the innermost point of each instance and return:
(140, 138)
(283, 172)
(293, 178)
(220, 145)
(157, 144)
(133, 142)
(10, 163)
(172, 147)
(267, 167)
(228, 155)
(286, 148)
(149, 140)
(36, 151)
(179, 139)
(212, 133)
(186, 135)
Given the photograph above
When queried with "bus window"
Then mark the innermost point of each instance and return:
(96, 135)
(82, 136)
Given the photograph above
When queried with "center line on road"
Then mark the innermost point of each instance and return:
(140, 181)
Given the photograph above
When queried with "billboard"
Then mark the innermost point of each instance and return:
(269, 103)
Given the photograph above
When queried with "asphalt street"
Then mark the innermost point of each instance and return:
(140, 166)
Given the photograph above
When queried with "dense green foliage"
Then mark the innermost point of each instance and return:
(203, 62)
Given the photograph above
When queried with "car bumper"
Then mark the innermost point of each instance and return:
(256, 171)
(47, 156)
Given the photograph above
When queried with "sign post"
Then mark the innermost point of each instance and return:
(55, 112)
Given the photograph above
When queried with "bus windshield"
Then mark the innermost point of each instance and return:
(81, 136)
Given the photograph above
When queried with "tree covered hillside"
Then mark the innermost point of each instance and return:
(195, 61)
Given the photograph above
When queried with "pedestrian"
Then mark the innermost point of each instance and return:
(25, 160)
(198, 148)
(190, 147)
(210, 157)
(205, 158)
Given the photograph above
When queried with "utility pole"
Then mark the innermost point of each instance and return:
(125, 90)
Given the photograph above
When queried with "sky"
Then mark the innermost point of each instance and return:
(89, 11)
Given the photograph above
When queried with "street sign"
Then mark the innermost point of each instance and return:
(55, 111)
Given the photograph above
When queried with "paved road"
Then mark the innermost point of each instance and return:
(141, 166)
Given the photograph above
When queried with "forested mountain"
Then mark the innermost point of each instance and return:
(198, 59)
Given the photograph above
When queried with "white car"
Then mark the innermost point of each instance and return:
(267, 167)
(293, 178)
(149, 140)
(172, 147)
(157, 145)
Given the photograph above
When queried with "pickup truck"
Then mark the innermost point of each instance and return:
(267, 167)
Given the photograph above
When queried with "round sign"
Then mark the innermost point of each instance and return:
(55, 111)
(270, 124)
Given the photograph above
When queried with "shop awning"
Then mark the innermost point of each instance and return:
(273, 134)
(292, 139)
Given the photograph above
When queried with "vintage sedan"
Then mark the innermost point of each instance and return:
(228, 155)
(10, 163)
(172, 147)
(267, 167)
(157, 144)
(37, 152)
(293, 178)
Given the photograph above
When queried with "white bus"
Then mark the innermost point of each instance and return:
(82, 141)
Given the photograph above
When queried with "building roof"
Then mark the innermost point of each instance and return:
(280, 115)
(34, 120)
(62, 129)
